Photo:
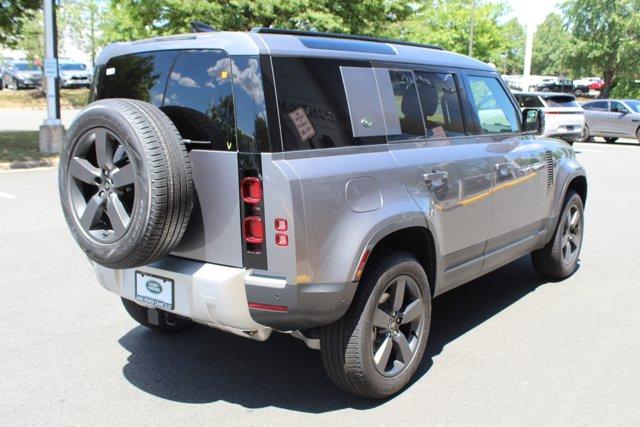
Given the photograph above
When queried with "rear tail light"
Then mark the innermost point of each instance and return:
(253, 230)
(268, 307)
(251, 189)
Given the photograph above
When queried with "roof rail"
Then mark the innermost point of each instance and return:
(340, 36)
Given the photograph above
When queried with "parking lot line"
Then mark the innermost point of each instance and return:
(7, 195)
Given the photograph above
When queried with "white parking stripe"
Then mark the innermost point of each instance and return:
(7, 195)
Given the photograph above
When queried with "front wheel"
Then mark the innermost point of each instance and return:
(559, 258)
(375, 348)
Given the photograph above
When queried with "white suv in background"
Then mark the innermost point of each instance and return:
(564, 117)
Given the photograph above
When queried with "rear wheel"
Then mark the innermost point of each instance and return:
(586, 135)
(610, 140)
(559, 258)
(375, 349)
(155, 319)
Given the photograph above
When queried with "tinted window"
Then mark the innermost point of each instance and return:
(440, 104)
(138, 76)
(495, 112)
(312, 104)
(561, 101)
(407, 106)
(598, 105)
(528, 101)
(199, 98)
(616, 106)
(192, 87)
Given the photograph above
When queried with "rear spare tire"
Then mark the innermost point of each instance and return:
(125, 183)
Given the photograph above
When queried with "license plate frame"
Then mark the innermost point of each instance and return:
(154, 290)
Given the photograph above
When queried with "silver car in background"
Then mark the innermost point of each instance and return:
(611, 119)
(74, 74)
(564, 117)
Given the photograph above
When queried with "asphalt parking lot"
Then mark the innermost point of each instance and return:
(508, 348)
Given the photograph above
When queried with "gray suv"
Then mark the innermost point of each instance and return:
(325, 186)
(611, 119)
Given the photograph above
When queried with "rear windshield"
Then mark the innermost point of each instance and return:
(192, 87)
(528, 101)
(561, 101)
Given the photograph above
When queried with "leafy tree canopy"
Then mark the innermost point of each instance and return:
(12, 16)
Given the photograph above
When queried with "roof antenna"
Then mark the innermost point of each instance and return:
(201, 27)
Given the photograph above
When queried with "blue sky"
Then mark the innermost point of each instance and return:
(531, 11)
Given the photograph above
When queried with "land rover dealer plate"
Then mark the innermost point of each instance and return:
(154, 290)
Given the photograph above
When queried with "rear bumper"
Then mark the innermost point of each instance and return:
(219, 296)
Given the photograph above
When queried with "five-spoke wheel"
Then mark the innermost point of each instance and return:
(397, 325)
(102, 185)
(376, 347)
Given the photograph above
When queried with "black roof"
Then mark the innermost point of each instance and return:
(340, 36)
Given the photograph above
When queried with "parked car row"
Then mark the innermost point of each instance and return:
(587, 86)
(21, 74)
(566, 119)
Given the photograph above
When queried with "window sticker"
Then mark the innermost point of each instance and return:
(110, 71)
(302, 124)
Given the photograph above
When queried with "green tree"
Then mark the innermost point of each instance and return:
(13, 14)
(84, 23)
(133, 19)
(446, 23)
(31, 38)
(606, 38)
(552, 44)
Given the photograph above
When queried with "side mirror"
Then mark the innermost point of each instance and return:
(532, 121)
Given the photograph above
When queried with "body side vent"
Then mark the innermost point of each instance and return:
(549, 161)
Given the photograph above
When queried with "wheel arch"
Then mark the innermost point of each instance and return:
(414, 239)
(579, 185)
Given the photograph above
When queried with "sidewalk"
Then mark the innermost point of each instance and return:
(23, 119)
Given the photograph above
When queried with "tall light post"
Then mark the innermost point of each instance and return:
(51, 131)
(471, 25)
(528, 54)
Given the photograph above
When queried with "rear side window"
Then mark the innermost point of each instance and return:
(199, 99)
(440, 104)
(407, 106)
(561, 101)
(598, 106)
(495, 112)
(528, 101)
(312, 103)
(193, 87)
(140, 76)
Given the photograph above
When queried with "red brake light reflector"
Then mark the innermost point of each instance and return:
(282, 239)
(251, 189)
(281, 224)
(269, 307)
(253, 230)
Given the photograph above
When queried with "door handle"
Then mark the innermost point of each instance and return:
(435, 176)
(437, 182)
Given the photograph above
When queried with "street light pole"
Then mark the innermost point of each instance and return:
(51, 131)
(471, 25)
